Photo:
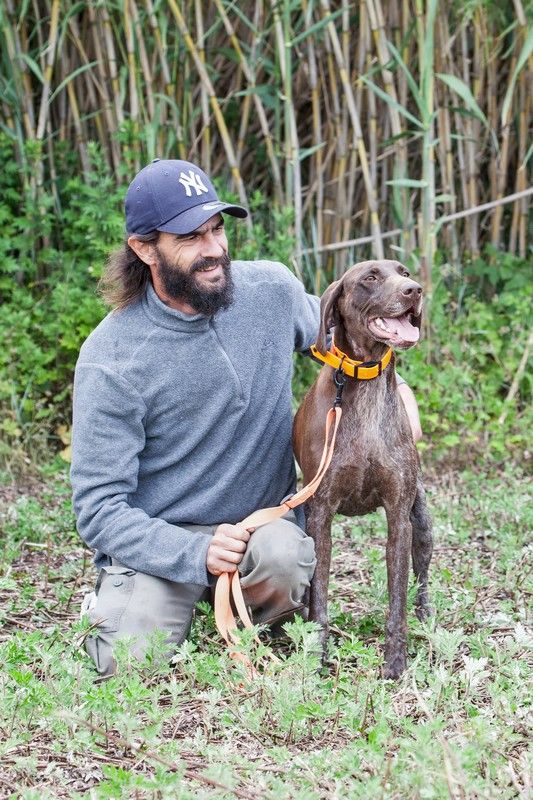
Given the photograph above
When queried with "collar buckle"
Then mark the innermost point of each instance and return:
(339, 379)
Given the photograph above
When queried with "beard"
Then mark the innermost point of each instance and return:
(184, 285)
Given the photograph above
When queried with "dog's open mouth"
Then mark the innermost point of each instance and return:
(402, 331)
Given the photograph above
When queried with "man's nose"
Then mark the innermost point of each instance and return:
(212, 246)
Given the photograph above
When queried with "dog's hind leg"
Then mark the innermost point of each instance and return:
(318, 525)
(422, 549)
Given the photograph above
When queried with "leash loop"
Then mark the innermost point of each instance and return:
(228, 587)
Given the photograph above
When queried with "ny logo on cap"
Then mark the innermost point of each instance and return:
(192, 180)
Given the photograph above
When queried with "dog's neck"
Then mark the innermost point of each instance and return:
(365, 349)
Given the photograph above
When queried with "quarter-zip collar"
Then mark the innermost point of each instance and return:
(167, 317)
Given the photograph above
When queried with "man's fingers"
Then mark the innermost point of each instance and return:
(222, 544)
(227, 548)
(233, 532)
(218, 563)
(233, 556)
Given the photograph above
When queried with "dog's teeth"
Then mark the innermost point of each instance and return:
(379, 322)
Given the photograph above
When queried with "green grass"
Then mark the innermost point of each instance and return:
(454, 726)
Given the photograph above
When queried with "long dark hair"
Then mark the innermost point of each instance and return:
(125, 276)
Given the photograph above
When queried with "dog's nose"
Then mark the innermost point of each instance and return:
(411, 289)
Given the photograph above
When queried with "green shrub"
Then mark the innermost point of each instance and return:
(52, 250)
(463, 370)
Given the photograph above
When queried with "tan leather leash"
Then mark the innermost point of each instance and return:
(228, 584)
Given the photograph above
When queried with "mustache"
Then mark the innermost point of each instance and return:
(202, 264)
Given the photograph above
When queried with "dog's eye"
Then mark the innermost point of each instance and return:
(405, 274)
(370, 278)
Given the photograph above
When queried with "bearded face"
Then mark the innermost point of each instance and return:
(206, 284)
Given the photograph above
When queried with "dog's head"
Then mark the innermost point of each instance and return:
(374, 301)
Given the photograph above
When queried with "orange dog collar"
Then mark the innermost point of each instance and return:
(360, 370)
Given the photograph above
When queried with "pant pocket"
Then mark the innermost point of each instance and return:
(113, 593)
(87, 604)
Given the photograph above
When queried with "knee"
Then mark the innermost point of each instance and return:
(285, 553)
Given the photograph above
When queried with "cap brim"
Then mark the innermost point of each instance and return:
(193, 218)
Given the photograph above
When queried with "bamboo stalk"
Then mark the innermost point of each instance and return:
(132, 79)
(215, 107)
(293, 180)
(345, 215)
(204, 100)
(501, 170)
(317, 158)
(92, 87)
(442, 129)
(73, 103)
(20, 71)
(333, 117)
(143, 59)
(471, 128)
(363, 158)
(371, 97)
(425, 28)
(50, 58)
(167, 80)
(111, 61)
(377, 25)
(259, 107)
(521, 178)
(109, 106)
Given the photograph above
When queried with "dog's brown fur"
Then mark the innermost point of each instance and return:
(375, 462)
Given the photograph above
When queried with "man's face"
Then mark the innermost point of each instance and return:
(195, 267)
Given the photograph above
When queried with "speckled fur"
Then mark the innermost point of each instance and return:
(375, 462)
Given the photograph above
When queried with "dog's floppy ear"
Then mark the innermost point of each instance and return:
(329, 315)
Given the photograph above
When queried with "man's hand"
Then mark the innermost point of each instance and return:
(227, 548)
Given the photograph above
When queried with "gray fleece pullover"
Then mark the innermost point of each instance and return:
(182, 419)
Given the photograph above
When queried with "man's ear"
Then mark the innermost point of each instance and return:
(329, 315)
(144, 250)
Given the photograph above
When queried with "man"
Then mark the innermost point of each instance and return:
(182, 420)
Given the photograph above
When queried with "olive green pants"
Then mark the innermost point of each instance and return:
(275, 570)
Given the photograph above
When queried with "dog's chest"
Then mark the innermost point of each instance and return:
(368, 475)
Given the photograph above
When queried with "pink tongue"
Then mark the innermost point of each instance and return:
(402, 328)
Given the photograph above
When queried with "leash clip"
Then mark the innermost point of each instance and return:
(339, 379)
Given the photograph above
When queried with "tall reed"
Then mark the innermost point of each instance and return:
(372, 120)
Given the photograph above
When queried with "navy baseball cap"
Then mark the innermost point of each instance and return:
(174, 197)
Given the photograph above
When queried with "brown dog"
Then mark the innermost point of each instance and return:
(374, 306)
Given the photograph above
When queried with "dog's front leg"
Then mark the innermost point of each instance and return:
(318, 525)
(398, 552)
